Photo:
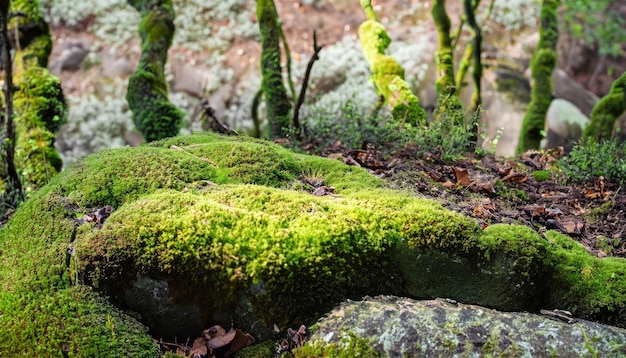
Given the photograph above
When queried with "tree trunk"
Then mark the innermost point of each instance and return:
(155, 117)
(542, 65)
(39, 103)
(449, 105)
(387, 74)
(278, 105)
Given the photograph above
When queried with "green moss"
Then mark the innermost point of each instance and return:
(351, 345)
(185, 210)
(541, 175)
(543, 63)
(154, 116)
(607, 110)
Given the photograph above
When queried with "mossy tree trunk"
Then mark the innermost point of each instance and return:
(387, 74)
(10, 185)
(39, 102)
(606, 111)
(449, 105)
(274, 92)
(476, 49)
(542, 65)
(153, 114)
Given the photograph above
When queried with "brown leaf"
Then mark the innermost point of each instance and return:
(516, 177)
(449, 185)
(573, 227)
(240, 341)
(199, 348)
(483, 182)
(479, 211)
(217, 336)
(462, 176)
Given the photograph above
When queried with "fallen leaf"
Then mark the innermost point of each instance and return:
(462, 176)
(199, 348)
(241, 340)
(516, 177)
(449, 185)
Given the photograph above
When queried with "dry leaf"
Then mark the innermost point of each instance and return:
(241, 340)
(199, 348)
(449, 185)
(516, 177)
(462, 176)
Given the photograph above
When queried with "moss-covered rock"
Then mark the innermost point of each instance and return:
(396, 327)
(228, 227)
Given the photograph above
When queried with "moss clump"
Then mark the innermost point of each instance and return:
(598, 286)
(154, 116)
(542, 65)
(606, 111)
(349, 346)
(387, 74)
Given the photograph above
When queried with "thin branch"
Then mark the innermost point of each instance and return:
(305, 83)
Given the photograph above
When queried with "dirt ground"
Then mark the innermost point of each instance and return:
(526, 190)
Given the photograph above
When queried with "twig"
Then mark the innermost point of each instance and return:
(305, 83)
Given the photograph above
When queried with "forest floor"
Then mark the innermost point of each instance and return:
(527, 190)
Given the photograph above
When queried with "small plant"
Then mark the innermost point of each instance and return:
(446, 138)
(590, 159)
(350, 125)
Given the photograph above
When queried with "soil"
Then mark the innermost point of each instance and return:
(527, 190)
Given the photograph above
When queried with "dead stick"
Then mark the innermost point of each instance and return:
(305, 81)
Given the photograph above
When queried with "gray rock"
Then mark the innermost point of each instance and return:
(401, 327)
(115, 66)
(190, 79)
(564, 124)
(566, 88)
(74, 53)
(505, 94)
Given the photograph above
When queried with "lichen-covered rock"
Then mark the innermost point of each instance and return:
(228, 228)
(400, 327)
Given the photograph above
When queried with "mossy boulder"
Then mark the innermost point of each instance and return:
(387, 326)
(228, 228)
